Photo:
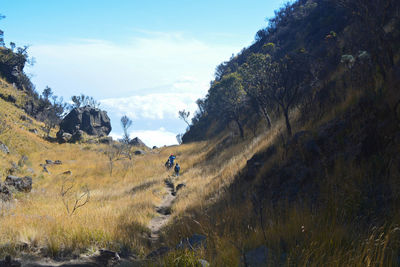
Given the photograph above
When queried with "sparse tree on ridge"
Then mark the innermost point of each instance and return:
(255, 80)
(227, 98)
(126, 124)
(184, 115)
(83, 100)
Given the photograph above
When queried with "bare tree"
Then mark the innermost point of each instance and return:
(113, 153)
(179, 138)
(73, 199)
(184, 115)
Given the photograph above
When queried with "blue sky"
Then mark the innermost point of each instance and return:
(145, 59)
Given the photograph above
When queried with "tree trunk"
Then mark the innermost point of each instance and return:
(240, 128)
(266, 117)
(288, 127)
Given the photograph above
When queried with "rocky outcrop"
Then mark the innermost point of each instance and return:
(137, 142)
(92, 121)
(4, 148)
(21, 184)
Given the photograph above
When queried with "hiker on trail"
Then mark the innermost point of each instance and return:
(177, 169)
(171, 160)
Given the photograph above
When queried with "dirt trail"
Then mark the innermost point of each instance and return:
(164, 213)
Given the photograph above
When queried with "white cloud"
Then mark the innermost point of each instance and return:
(150, 78)
(152, 138)
(153, 106)
(105, 69)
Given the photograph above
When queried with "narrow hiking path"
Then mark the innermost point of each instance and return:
(164, 212)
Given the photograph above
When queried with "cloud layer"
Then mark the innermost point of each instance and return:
(150, 78)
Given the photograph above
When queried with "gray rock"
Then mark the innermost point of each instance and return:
(57, 162)
(63, 137)
(194, 242)
(137, 142)
(33, 131)
(45, 169)
(203, 263)
(5, 193)
(106, 140)
(4, 148)
(26, 118)
(22, 161)
(158, 252)
(9, 262)
(21, 184)
(14, 168)
(139, 152)
(180, 186)
(49, 162)
(154, 147)
(257, 257)
(92, 121)
(30, 170)
(77, 136)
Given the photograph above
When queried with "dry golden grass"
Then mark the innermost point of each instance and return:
(122, 204)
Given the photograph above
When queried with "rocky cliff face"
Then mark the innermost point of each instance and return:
(92, 121)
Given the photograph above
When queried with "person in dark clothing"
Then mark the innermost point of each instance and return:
(177, 169)
(171, 160)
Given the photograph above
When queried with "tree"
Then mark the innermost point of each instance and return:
(2, 44)
(47, 92)
(184, 115)
(286, 82)
(126, 123)
(179, 138)
(227, 97)
(255, 82)
(82, 100)
(372, 20)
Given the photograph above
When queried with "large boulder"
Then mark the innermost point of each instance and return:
(92, 121)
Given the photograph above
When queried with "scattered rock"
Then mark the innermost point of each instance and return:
(67, 173)
(158, 252)
(22, 161)
(4, 148)
(257, 257)
(45, 169)
(5, 193)
(49, 162)
(11, 99)
(180, 186)
(26, 118)
(58, 162)
(139, 152)
(32, 171)
(107, 257)
(194, 242)
(106, 140)
(63, 137)
(77, 136)
(21, 184)
(33, 131)
(137, 142)
(14, 168)
(9, 262)
(203, 263)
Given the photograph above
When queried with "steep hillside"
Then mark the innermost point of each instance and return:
(291, 160)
